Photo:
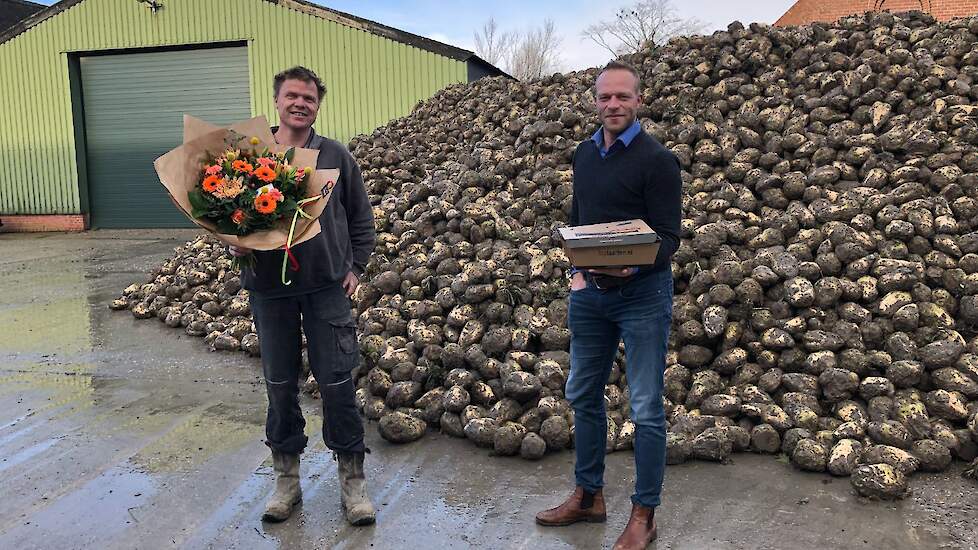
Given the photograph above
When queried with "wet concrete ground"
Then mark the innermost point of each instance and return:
(117, 433)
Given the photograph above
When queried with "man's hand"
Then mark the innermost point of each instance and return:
(350, 283)
(615, 272)
(578, 282)
(239, 251)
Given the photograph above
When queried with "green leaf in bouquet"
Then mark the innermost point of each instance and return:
(227, 226)
(200, 205)
(290, 154)
(197, 199)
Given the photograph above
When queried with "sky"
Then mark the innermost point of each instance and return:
(454, 22)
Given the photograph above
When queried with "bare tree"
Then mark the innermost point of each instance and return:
(492, 45)
(645, 24)
(536, 52)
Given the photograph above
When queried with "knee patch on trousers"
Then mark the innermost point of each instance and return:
(342, 426)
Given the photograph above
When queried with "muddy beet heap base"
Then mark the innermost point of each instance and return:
(826, 288)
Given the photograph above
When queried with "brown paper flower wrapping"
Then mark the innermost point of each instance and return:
(179, 171)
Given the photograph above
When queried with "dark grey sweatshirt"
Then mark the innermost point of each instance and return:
(344, 245)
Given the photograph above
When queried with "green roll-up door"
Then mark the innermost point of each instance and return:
(134, 105)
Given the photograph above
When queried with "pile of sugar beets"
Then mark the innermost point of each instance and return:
(826, 288)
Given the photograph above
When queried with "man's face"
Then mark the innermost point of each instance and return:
(616, 99)
(297, 103)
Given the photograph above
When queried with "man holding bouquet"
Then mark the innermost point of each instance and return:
(316, 302)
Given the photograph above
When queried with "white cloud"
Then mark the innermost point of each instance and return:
(456, 41)
(581, 53)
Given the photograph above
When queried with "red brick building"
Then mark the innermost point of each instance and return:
(808, 11)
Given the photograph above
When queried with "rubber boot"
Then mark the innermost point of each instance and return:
(288, 493)
(353, 489)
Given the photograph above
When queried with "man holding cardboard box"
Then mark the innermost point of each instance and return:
(621, 174)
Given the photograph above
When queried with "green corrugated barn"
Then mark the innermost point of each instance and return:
(91, 91)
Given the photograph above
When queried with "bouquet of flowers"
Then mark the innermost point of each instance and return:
(246, 190)
(240, 185)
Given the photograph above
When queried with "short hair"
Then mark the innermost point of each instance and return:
(299, 73)
(616, 65)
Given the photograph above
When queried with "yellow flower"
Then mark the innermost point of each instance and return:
(255, 141)
(230, 154)
(307, 169)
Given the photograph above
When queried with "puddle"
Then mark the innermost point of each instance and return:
(205, 433)
(61, 326)
(90, 516)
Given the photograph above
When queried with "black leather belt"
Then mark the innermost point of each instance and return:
(604, 282)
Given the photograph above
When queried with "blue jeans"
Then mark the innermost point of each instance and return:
(639, 312)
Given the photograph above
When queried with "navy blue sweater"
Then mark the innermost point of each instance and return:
(638, 181)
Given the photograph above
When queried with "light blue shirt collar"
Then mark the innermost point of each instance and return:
(625, 137)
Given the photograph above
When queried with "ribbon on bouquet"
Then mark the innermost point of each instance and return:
(289, 259)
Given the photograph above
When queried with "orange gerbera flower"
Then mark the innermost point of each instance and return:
(265, 174)
(242, 166)
(265, 204)
(211, 183)
(238, 216)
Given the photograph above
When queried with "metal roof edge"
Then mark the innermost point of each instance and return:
(496, 70)
(374, 27)
(25, 24)
(303, 6)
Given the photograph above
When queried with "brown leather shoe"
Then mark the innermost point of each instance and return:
(571, 511)
(640, 530)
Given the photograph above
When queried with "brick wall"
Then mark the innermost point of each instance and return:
(807, 11)
(29, 224)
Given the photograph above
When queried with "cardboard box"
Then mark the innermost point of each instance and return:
(627, 243)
